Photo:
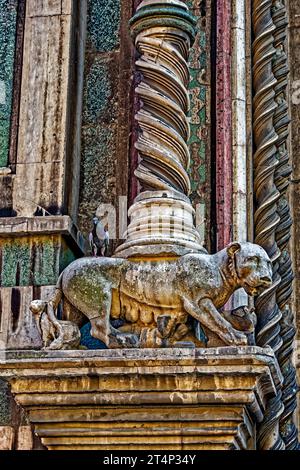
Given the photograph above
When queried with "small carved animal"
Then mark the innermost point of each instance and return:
(160, 296)
(55, 334)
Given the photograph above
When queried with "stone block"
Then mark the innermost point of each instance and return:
(25, 438)
(7, 435)
(40, 171)
(44, 7)
(18, 327)
(170, 399)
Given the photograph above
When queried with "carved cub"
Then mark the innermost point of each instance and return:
(155, 299)
(55, 334)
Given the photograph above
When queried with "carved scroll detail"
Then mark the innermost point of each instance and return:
(283, 171)
(266, 217)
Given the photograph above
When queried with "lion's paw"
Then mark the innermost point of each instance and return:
(237, 339)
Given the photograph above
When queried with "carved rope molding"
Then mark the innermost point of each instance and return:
(266, 217)
(288, 430)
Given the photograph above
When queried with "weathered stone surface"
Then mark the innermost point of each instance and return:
(7, 434)
(43, 115)
(33, 251)
(294, 66)
(49, 7)
(18, 327)
(200, 125)
(55, 334)
(44, 7)
(24, 438)
(162, 214)
(156, 299)
(47, 167)
(156, 399)
(18, 226)
(106, 87)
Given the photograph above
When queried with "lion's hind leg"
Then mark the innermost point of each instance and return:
(102, 329)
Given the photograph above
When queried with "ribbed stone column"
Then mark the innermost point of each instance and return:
(162, 217)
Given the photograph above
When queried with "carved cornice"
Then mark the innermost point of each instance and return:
(144, 399)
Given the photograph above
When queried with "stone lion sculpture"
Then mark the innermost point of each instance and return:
(155, 303)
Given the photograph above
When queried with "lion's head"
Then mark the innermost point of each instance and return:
(251, 265)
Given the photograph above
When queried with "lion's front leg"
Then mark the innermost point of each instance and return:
(209, 317)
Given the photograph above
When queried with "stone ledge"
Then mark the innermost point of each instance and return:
(58, 224)
(144, 399)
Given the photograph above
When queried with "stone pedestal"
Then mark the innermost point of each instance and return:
(33, 250)
(168, 399)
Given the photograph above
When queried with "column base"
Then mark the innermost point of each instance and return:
(162, 224)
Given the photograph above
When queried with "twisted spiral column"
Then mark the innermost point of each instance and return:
(162, 215)
(266, 217)
(283, 171)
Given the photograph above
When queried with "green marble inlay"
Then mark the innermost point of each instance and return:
(100, 109)
(4, 404)
(28, 261)
(67, 256)
(4, 141)
(199, 142)
(16, 263)
(103, 25)
(97, 163)
(8, 20)
(46, 270)
(97, 91)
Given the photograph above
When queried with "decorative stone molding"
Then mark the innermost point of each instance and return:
(179, 399)
(46, 225)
